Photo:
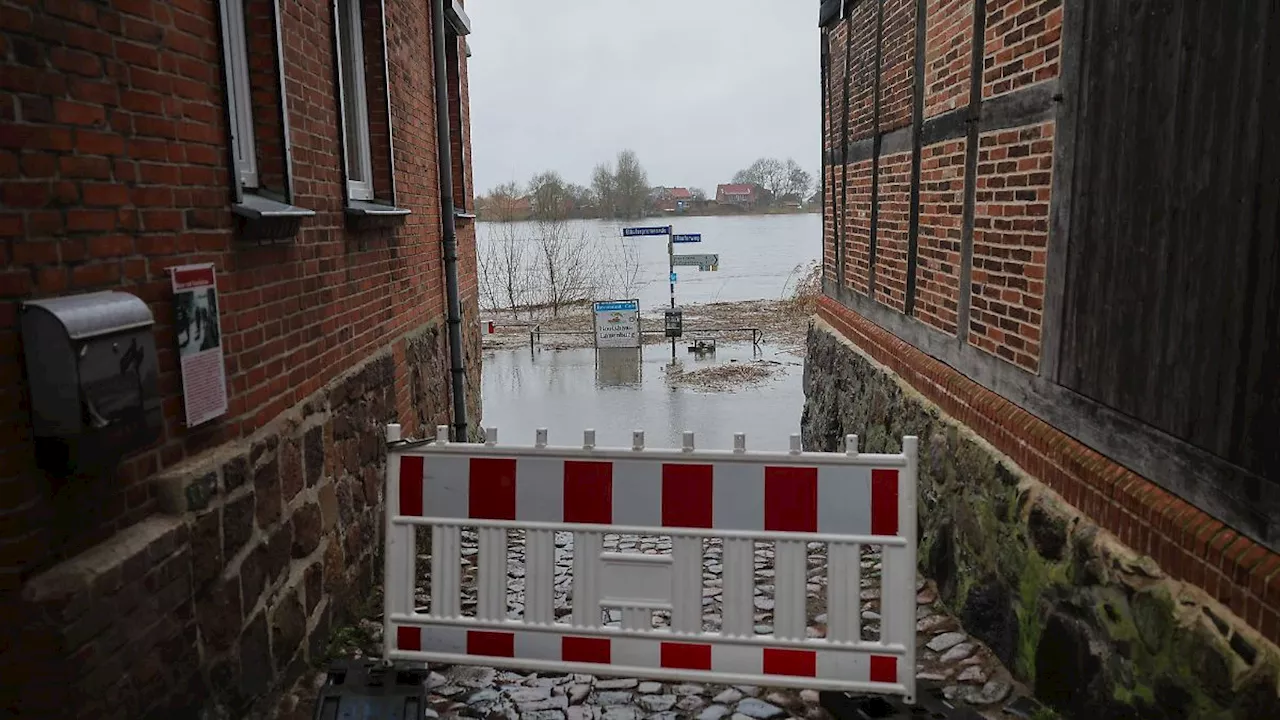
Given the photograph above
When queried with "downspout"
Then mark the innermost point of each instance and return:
(449, 228)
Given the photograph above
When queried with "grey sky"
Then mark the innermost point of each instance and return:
(698, 88)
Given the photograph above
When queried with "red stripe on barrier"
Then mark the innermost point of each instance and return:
(588, 492)
(411, 485)
(686, 495)
(491, 644)
(589, 650)
(884, 502)
(493, 489)
(884, 668)
(800, 663)
(686, 656)
(791, 499)
(409, 638)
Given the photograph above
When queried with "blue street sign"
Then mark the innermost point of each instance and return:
(615, 306)
(690, 238)
(642, 231)
(673, 277)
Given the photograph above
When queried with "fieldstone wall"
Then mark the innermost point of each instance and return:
(260, 549)
(1096, 629)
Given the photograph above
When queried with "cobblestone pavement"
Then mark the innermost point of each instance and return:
(946, 655)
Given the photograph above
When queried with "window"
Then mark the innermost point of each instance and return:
(355, 103)
(258, 121)
(238, 96)
(456, 30)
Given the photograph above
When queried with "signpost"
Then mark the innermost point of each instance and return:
(672, 239)
(617, 323)
(646, 231)
(705, 262)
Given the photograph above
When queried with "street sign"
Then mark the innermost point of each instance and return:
(673, 277)
(689, 238)
(643, 231)
(617, 323)
(702, 262)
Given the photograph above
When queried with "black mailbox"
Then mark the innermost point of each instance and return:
(674, 322)
(91, 365)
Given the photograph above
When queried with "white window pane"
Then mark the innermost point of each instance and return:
(241, 104)
(355, 113)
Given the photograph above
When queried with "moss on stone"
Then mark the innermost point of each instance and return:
(1147, 656)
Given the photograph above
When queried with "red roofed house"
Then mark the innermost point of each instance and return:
(742, 195)
(675, 199)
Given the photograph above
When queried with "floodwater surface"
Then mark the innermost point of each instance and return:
(618, 391)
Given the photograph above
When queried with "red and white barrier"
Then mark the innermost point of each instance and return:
(845, 500)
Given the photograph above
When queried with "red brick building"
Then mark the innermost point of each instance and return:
(1042, 256)
(744, 196)
(293, 146)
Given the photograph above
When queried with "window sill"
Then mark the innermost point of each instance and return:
(363, 213)
(460, 214)
(267, 220)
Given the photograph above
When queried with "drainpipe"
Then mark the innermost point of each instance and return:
(444, 158)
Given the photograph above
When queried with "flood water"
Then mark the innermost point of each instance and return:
(759, 254)
(618, 391)
(568, 391)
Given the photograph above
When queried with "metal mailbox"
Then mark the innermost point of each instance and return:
(91, 365)
(674, 322)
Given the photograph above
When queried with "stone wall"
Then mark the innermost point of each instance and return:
(260, 549)
(1096, 629)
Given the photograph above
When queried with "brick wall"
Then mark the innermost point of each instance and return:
(118, 147)
(893, 224)
(1010, 242)
(897, 63)
(1002, 292)
(1022, 44)
(947, 62)
(116, 168)
(1184, 540)
(857, 267)
(941, 232)
(862, 66)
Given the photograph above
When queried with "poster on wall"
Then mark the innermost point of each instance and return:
(617, 324)
(199, 335)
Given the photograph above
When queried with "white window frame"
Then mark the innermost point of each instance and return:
(239, 99)
(353, 98)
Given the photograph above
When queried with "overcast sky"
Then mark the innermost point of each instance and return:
(698, 88)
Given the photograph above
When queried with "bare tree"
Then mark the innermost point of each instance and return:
(514, 271)
(631, 185)
(603, 190)
(799, 181)
(552, 197)
(621, 274)
(566, 265)
(505, 270)
(776, 178)
(488, 272)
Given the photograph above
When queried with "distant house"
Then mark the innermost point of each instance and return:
(742, 195)
(504, 208)
(673, 199)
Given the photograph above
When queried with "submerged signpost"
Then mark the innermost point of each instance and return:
(673, 315)
(617, 323)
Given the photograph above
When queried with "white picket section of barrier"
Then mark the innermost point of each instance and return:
(843, 502)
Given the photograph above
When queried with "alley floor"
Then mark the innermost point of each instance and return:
(966, 669)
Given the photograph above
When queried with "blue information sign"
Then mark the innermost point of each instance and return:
(642, 231)
(689, 238)
(673, 277)
(617, 306)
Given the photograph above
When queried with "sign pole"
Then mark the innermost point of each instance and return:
(671, 271)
